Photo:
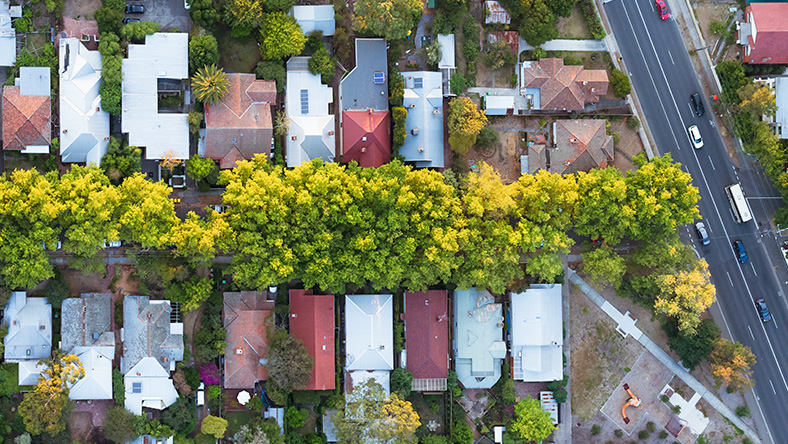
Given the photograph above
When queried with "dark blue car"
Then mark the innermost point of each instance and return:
(739, 247)
(765, 315)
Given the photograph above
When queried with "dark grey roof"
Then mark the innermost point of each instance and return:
(148, 331)
(359, 91)
(86, 321)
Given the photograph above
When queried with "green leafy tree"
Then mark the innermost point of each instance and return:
(323, 64)
(194, 118)
(121, 161)
(120, 425)
(199, 168)
(210, 84)
(181, 416)
(342, 45)
(272, 71)
(43, 409)
(471, 47)
(289, 363)
(203, 51)
(278, 5)
(538, 24)
(692, 348)
(57, 289)
(458, 83)
(242, 16)
(465, 121)
(487, 137)
(147, 214)
(562, 8)
(732, 78)
(601, 212)
(396, 87)
(499, 55)
(280, 36)
(620, 83)
(259, 431)
(295, 418)
(604, 265)
(434, 54)
(401, 381)
(204, 13)
(109, 20)
(391, 19)
(532, 423)
(400, 132)
(369, 416)
(214, 425)
(731, 364)
(136, 31)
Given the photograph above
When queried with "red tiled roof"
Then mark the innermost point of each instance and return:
(566, 88)
(247, 318)
(366, 137)
(26, 119)
(427, 334)
(241, 122)
(312, 322)
(580, 145)
(771, 40)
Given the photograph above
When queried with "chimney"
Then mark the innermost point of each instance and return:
(415, 131)
(293, 138)
(331, 133)
(98, 108)
(364, 149)
(421, 150)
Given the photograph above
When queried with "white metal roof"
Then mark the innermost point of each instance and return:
(311, 131)
(7, 36)
(315, 18)
(84, 126)
(369, 332)
(29, 328)
(34, 81)
(537, 334)
(781, 96)
(148, 384)
(498, 105)
(97, 382)
(423, 98)
(163, 56)
(447, 51)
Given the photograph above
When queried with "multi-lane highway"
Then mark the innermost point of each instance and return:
(662, 73)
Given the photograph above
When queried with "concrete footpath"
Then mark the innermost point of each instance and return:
(566, 45)
(660, 354)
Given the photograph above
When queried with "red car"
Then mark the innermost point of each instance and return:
(662, 8)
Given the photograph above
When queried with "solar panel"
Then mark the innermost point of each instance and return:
(418, 83)
(304, 101)
(378, 77)
(136, 387)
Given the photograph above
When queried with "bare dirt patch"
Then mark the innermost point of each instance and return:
(708, 11)
(600, 356)
(504, 157)
(573, 27)
(81, 425)
(81, 9)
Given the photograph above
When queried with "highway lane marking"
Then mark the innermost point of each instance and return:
(671, 59)
(773, 390)
(689, 105)
(715, 169)
(751, 335)
(729, 278)
(753, 268)
(697, 161)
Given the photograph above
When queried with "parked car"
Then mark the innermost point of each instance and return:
(694, 134)
(761, 305)
(662, 8)
(200, 398)
(113, 244)
(128, 20)
(135, 9)
(702, 234)
(740, 251)
(697, 104)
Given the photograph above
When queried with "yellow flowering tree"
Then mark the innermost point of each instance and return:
(42, 409)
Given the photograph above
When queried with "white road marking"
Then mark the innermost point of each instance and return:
(690, 107)
(671, 59)
(753, 268)
(715, 169)
(751, 335)
(773, 390)
(729, 278)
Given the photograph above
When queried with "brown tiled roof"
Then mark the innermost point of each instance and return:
(580, 145)
(427, 334)
(770, 44)
(241, 125)
(561, 87)
(26, 119)
(247, 318)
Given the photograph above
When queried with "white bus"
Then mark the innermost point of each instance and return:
(741, 211)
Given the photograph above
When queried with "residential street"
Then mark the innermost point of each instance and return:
(662, 73)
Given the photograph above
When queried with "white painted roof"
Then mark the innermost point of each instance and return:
(478, 338)
(7, 36)
(314, 18)
(537, 334)
(84, 126)
(153, 386)
(306, 105)
(29, 335)
(781, 96)
(163, 56)
(369, 332)
(29, 372)
(447, 51)
(498, 105)
(97, 382)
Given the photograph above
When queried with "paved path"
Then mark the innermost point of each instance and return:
(660, 354)
(567, 45)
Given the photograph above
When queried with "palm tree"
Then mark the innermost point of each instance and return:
(210, 84)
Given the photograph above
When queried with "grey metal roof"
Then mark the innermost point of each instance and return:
(314, 18)
(84, 126)
(358, 90)
(369, 332)
(34, 81)
(311, 129)
(86, 321)
(29, 328)
(423, 99)
(447, 51)
(163, 56)
(537, 334)
(149, 332)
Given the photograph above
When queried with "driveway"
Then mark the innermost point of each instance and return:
(567, 45)
(169, 14)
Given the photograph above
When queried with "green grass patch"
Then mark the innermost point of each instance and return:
(236, 420)
(236, 55)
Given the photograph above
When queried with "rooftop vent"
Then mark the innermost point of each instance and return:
(412, 105)
(27, 352)
(363, 149)
(435, 111)
(294, 138)
(239, 351)
(364, 138)
(293, 315)
(421, 150)
(95, 336)
(331, 133)
(415, 131)
(382, 347)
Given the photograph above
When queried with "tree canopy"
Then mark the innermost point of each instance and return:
(731, 364)
(391, 19)
(43, 408)
(369, 416)
(289, 362)
(280, 36)
(532, 423)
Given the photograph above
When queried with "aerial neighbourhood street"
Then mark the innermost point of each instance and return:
(438, 222)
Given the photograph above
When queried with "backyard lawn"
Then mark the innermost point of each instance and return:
(237, 55)
(238, 419)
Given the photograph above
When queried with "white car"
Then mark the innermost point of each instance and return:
(112, 244)
(200, 396)
(694, 134)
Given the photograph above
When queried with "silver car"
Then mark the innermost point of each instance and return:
(702, 234)
(694, 134)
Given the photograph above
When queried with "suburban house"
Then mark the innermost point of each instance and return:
(27, 112)
(240, 125)
(779, 122)
(363, 97)
(447, 64)
(427, 339)
(29, 337)
(314, 18)
(152, 336)
(8, 33)
(247, 316)
(479, 349)
(495, 13)
(312, 322)
(764, 33)
(86, 330)
(369, 339)
(423, 98)
(159, 66)
(577, 145)
(84, 126)
(536, 338)
(310, 132)
(548, 84)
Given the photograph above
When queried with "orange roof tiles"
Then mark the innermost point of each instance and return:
(312, 322)
(562, 87)
(26, 119)
(247, 317)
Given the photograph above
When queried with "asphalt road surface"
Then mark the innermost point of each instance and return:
(662, 74)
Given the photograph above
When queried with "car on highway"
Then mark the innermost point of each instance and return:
(662, 8)
(764, 312)
(694, 134)
(128, 20)
(135, 9)
(697, 104)
(700, 227)
(740, 251)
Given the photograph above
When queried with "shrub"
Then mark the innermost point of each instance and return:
(401, 381)
(594, 24)
(118, 389)
(718, 27)
(620, 83)
(538, 53)
(400, 132)
(487, 137)
(664, 398)
(572, 60)
(616, 137)
(396, 87)
(643, 434)
(214, 392)
(458, 83)
(633, 123)
(663, 434)
(596, 429)
(651, 427)
(272, 71)
(619, 433)
(471, 46)
(209, 374)
(743, 411)
(399, 337)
